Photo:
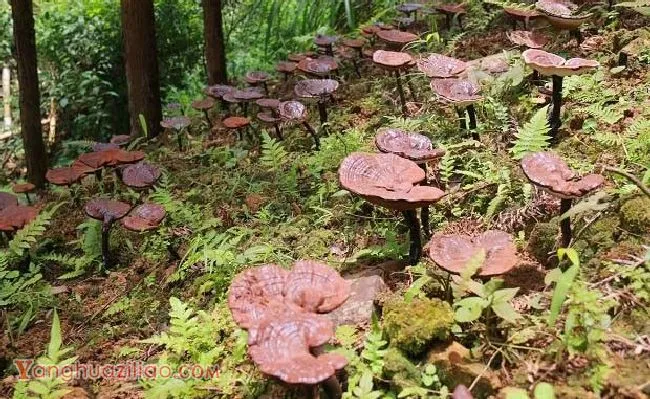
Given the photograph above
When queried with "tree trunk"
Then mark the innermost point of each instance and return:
(28, 92)
(6, 96)
(215, 49)
(141, 59)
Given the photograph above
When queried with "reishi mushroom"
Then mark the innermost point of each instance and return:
(394, 62)
(396, 40)
(496, 250)
(441, 66)
(319, 67)
(412, 146)
(24, 188)
(549, 172)
(462, 93)
(107, 212)
(392, 182)
(286, 68)
(282, 311)
(140, 175)
(144, 217)
(557, 67)
(296, 112)
(450, 11)
(321, 89)
(561, 15)
(178, 124)
(237, 124)
(15, 217)
(325, 43)
(521, 14)
(204, 105)
(7, 199)
(257, 78)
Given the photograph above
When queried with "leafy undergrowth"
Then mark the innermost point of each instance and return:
(577, 319)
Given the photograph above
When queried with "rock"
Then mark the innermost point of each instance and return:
(456, 367)
(359, 307)
(635, 215)
(413, 326)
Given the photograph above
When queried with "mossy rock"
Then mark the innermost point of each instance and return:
(413, 326)
(635, 215)
(602, 234)
(542, 241)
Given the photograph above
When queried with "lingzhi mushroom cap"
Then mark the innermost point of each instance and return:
(409, 145)
(267, 118)
(460, 92)
(315, 287)
(269, 103)
(248, 94)
(397, 37)
(15, 217)
(121, 139)
(257, 77)
(7, 199)
(320, 66)
(64, 176)
(549, 171)
(144, 218)
(286, 66)
(203, 104)
(324, 40)
(309, 88)
(354, 43)
(561, 14)
(236, 122)
(218, 91)
(106, 210)
(440, 66)
(392, 59)
(21, 188)
(550, 64)
(494, 249)
(140, 175)
(176, 122)
(387, 180)
(111, 157)
(521, 13)
(534, 40)
(292, 111)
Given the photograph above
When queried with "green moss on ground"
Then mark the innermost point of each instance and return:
(635, 215)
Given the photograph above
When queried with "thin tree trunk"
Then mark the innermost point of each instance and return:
(215, 49)
(6, 96)
(30, 108)
(141, 59)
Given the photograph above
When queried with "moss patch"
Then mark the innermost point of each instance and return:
(635, 215)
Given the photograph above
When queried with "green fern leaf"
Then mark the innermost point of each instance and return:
(274, 156)
(533, 136)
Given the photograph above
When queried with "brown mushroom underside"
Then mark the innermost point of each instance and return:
(176, 123)
(106, 210)
(236, 122)
(15, 217)
(140, 175)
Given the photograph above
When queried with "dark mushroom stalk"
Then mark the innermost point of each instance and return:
(554, 120)
(415, 238)
(565, 224)
(400, 90)
(322, 110)
(106, 231)
(313, 134)
(471, 111)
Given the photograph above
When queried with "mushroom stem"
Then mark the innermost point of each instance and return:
(179, 137)
(400, 90)
(424, 213)
(29, 201)
(266, 88)
(332, 387)
(409, 83)
(554, 119)
(207, 117)
(106, 229)
(313, 133)
(415, 249)
(565, 224)
(356, 67)
(461, 117)
(244, 108)
(471, 111)
(322, 112)
(278, 132)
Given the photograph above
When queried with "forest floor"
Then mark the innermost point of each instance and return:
(232, 204)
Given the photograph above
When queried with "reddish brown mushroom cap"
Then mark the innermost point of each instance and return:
(320, 66)
(253, 291)
(413, 146)
(354, 43)
(397, 37)
(218, 91)
(176, 123)
(310, 88)
(140, 175)
(292, 111)
(453, 252)
(236, 122)
(392, 59)
(534, 40)
(7, 200)
(324, 40)
(104, 146)
(297, 57)
(83, 169)
(106, 210)
(144, 218)
(203, 104)
(65, 176)
(451, 8)
(248, 94)
(22, 188)
(370, 30)
(549, 171)
(280, 347)
(387, 180)
(121, 139)
(230, 98)
(286, 67)
(15, 217)
(315, 287)
(551, 64)
(521, 14)
(440, 66)
(111, 157)
(408, 7)
(268, 119)
(562, 14)
(460, 92)
(257, 77)
(268, 103)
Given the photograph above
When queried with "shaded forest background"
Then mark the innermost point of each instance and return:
(80, 50)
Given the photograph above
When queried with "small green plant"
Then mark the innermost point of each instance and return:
(53, 385)
(533, 136)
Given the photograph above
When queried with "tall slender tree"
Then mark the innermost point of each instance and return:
(215, 48)
(141, 59)
(29, 95)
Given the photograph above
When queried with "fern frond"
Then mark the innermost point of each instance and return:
(533, 136)
(609, 139)
(608, 115)
(274, 156)
(26, 237)
(639, 127)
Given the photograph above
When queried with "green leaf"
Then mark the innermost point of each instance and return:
(544, 390)
(469, 309)
(505, 311)
(55, 337)
(504, 295)
(515, 393)
(533, 136)
(416, 288)
(564, 283)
